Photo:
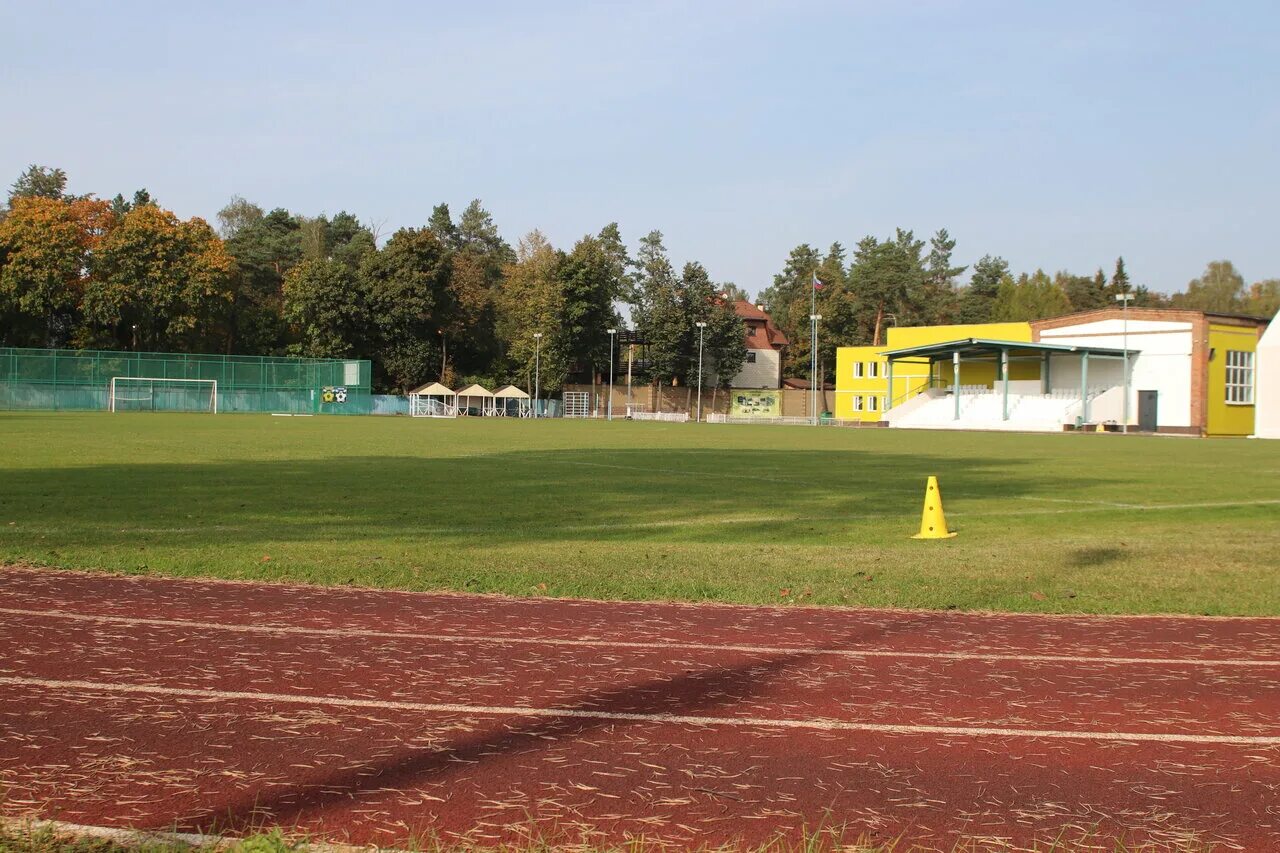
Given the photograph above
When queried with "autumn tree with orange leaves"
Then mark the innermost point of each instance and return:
(170, 278)
(47, 248)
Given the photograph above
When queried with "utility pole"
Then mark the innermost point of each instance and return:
(612, 333)
(702, 327)
(537, 378)
(631, 351)
(815, 372)
(1124, 299)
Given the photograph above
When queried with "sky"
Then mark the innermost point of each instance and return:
(1058, 135)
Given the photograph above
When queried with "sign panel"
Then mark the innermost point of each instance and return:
(755, 403)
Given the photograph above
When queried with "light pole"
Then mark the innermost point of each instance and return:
(815, 372)
(135, 337)
(1124, 299)
(611, 332)
(702, 328)
(537, 377)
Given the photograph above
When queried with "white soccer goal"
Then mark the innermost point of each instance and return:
(156, 394)
(431, 406)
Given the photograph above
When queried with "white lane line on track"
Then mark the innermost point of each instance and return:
(623, 644)
(622, 716)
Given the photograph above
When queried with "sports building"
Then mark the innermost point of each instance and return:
(1189, 372)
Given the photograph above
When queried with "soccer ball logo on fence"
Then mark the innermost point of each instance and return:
(333, 395)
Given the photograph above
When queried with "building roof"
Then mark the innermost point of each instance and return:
(1144, 313)
(755, 316)
(803, 384)
(476, 390)
(434, 389)
(969, 347)
(511, 392)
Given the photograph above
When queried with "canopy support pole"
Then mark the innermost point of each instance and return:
(955, 381)
(1004, 372)
(1084, 386)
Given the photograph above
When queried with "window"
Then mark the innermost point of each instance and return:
(857, 402)
(857, 370)
(751, 331)
(873, 369)
(1239, 376)
(873, 403)
(751, 357)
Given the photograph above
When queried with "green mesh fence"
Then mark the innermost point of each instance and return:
(81, 379)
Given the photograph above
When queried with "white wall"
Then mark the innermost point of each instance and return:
(1162, 364)
(1266, 412)
(765, 373)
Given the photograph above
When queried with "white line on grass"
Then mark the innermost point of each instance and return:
(622, 716)
(623, 644)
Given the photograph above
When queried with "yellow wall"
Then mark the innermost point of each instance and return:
(1227, 418)
(909, 378)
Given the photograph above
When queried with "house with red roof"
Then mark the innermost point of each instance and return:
(766, 345)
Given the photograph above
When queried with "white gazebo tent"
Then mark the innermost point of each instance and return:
(432, 400)
(1266, 401)
(475, 400)
(511, 401)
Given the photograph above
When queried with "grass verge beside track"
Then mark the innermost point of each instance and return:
(1048, 523)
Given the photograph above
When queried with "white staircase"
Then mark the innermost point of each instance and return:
(982, 408)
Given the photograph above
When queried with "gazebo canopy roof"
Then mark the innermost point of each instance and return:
(475, 390)
(433, 389)
(511, 392)
(978, 347)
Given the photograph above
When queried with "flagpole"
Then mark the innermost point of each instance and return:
(813, 344)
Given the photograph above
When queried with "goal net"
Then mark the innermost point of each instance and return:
(431, 406)
(153, 394)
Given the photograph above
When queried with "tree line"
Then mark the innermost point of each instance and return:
(449, 301)
(905, 281)
(452, 300)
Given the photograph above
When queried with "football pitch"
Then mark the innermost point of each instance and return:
(753, 514)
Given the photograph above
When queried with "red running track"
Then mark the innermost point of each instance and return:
(377, 717)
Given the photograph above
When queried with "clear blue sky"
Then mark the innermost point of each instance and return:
(1058, 135)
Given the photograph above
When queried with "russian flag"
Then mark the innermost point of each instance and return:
(817, 285)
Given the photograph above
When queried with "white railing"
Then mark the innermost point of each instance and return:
(666, 417)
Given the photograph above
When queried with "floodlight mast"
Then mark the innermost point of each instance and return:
(1124, 299)
(702, 327)
(612, 333)
(815, 369)
(537, 365)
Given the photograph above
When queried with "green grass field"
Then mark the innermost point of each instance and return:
(1054, 523)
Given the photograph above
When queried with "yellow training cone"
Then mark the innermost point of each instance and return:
(933, 524)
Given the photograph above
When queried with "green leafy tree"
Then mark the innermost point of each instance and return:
(1219, 288)
(265, 247)
(978, 299)
(119, 206)
(1264, 298)
(531, 302)
(658, 313)
(410, 302)
(39, 182)
(787, 301)
(1119, 280)
(724, 342)
(883, 277)
(937, 302)
(1084, 293)
(1031, 297)
(327, 306)
(591, 281)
